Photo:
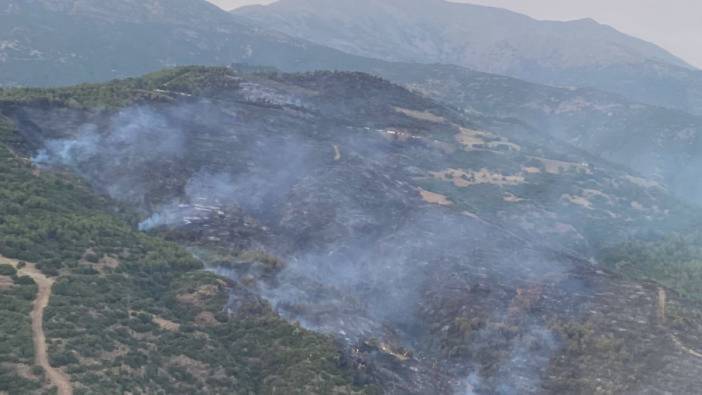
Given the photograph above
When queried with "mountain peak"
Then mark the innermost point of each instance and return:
(484, 38)
(586, 21)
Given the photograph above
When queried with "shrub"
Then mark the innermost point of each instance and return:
(7, 270)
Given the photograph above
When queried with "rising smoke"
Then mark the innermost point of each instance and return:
(134, 138)
(367, 258)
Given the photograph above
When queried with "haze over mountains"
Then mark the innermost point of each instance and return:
(104, 40)
(657, 142)
(430, 31)
(358, 199)
(65, 42)
(578, 53)
(99, 41)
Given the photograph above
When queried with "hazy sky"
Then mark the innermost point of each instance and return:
(673, 24)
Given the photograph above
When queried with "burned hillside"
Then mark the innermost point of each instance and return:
(439, 251)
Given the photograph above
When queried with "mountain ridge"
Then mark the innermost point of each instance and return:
(105, 40)
(420, 12)
(577, 53)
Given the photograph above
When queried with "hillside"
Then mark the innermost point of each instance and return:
(131, 312)
(579, 53)
(658, 143)
(442, 253)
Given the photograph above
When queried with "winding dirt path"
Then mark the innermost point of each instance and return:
(44, 284)
(662, 305)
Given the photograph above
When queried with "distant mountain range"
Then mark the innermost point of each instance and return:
(580, 53)
(66, 42)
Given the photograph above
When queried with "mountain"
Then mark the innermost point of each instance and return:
(442, 253)
(100, 40)
(580, 53)
(415, 229)
(66, 42)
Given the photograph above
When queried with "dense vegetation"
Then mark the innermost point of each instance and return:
(157, 86)
(132, 313)
(674, 261)
(17, 372)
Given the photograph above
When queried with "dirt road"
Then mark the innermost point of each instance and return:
(662, 313)
(44, 284)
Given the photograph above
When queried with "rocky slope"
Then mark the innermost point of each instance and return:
(446, 254)
(580, 53)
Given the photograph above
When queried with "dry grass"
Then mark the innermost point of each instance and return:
(435, 198)
(553, 166)
(206, 318)
(200, 296)
(476, 140)
(465, 178)
(166, 324)
(421, 115)
(578, 201)
(6, 282)
(511, 198)
(642, 182)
